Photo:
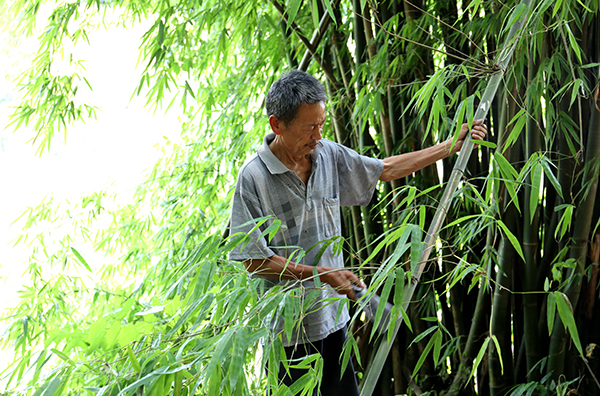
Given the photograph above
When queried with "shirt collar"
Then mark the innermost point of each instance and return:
(272, 162)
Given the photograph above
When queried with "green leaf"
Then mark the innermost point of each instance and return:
(497, 344)
(134, 362)
(565, 311)
(383, 298)
(509, 174)
(519, 120)
(315, 13)
(51, 387)
(425, 353)
(564, 224)
(511, 237)
(479, 357)
(515, 16)
(330, 10)
(484, 143)
(292, 11)
(575, 89)
(534, 197)
(238, 357)
(550, 311)
(573, 43)
(81, 259)
(437, 346)
(545, 163)
(424, 334)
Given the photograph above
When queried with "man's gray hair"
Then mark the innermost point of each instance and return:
(291, 90)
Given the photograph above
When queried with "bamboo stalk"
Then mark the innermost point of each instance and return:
(578, 252)
(531, 233)
(505, 56)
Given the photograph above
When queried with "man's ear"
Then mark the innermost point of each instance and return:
(276, 124)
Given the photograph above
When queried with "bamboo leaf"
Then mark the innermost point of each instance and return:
(551, 311)
(565, 311)
(509, 174)
(519, 122)
(399, 287)
(383, 298)
(545, 163)
(564, 224)
(437, 346)
(485, 143)
(575, 90)
(81, 259)
(315, 13)
(330, 10)
(134, 362)
(238, 357)
(511, 237)
(534, 197)
(424, 354)
(497, 344)
(515, 16)
(479, 357)
(574, 44)
(424, 334)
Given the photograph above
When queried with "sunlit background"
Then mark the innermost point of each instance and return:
(109, 153)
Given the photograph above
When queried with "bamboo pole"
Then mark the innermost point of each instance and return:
(482, 110)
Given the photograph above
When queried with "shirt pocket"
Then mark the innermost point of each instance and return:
(331, 216)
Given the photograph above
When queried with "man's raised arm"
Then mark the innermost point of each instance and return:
(404, 164)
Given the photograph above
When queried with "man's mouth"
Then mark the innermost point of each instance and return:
(313, 145)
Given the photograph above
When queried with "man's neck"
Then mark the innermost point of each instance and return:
(287, 157)
(301, 164)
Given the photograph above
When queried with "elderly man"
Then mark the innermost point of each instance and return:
(302, 180)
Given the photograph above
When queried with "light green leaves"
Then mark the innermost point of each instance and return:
(81, 259)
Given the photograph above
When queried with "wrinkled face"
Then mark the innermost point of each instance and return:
(302, 134)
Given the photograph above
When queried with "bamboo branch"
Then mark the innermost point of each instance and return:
(317, 37)
(504, 59)
(311, 46)
(451, 27)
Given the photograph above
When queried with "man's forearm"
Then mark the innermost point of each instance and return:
(405, 164)
(278, 267)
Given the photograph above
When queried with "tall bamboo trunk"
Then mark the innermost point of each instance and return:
(581, 231)
(501, 373)
(531, 228)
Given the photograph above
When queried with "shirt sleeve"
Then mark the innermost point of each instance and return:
(358, 176)
(245, 215)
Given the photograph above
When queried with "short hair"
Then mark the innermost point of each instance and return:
(292, 90)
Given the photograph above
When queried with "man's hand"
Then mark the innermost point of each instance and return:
(478, 133)
(340, 280)
(278, 267)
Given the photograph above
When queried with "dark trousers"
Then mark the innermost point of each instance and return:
(330, 349)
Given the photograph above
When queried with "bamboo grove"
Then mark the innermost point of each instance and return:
(508, 302)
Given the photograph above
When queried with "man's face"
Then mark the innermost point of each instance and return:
(302, 134)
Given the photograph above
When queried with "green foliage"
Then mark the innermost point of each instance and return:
(141, 298)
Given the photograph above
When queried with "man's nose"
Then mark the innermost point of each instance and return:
(318, 133)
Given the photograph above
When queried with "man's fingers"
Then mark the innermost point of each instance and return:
(479, 132)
